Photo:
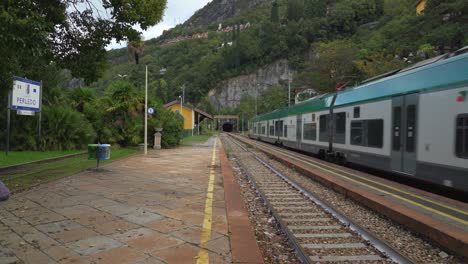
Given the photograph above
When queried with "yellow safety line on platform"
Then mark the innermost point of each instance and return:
(380, 190)
(203, 257)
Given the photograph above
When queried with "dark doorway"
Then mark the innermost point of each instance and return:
(227, 127)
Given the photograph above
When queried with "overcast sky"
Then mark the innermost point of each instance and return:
(177, 12)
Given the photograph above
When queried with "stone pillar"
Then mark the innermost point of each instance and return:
(157, 138)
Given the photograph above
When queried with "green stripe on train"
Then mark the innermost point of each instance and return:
(447, 73)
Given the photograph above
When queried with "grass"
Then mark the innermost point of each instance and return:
(196, 139)
(19, 157)
(35, 174)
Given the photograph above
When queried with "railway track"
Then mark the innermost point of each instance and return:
(315, 230)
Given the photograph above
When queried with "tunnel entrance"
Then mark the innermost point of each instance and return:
(228, 127)
(226, 123)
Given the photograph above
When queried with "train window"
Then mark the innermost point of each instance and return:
(461, 140)
(367, 133)
(410, 128)
(272, 131)
(313, 117)
(279, 128)
(357, 133)
(263, 130)
(340, 123)
(357, 112)
(375, 133)
(310, 131)
(323, 123)
(396, 128)
(340, 128)
(285, 134)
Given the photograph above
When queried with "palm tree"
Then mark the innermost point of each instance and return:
(136, 48)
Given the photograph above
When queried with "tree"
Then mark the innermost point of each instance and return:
(73, 33)
(136, 48)
(442, 24)
(81, 96)
(274, 18)
(332, 61)
(377, 63)
(274, 98)
(346, 16)
(124, 110)
(295, 10)
(315, 8)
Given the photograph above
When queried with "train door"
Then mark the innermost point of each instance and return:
(404, 133)
(299, 131)
(278, 129)
(267, 129)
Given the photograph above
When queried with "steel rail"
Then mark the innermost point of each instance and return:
(366, 235)
(300, 253)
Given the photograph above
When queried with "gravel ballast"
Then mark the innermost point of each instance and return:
(403, 240)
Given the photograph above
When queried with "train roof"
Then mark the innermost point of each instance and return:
(442, 74)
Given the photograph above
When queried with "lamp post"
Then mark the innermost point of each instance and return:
(146, 111)
(180, 97)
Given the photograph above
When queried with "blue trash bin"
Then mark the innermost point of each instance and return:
(103, 152)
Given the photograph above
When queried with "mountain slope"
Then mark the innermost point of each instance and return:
(219, 10)
(324, 43)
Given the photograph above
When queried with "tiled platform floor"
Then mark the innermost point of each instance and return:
(138, 210)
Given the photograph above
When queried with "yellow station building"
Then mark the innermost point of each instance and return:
(420, 6)
(192, 116)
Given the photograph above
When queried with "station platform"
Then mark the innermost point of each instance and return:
(441, 219)
(167, 207)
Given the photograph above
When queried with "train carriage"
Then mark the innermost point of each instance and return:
(414, 122)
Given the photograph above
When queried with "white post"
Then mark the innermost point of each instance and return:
(146, 111)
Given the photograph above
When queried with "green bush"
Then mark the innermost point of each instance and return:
(170, 122)
(64, 129)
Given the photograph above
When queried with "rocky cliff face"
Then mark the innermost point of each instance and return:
(219, 10)
(231, 91)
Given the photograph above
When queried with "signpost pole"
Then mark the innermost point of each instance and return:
(8, 124)
(39, 126)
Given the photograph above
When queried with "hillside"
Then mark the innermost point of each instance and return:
(324, 43)
(218, 11)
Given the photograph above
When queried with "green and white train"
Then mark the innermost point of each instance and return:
(412, 122)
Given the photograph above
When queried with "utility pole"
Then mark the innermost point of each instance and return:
(289, 88)
(256, 95)
(183, 93)
(146, 111)
(242, 123)
(180, 96)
